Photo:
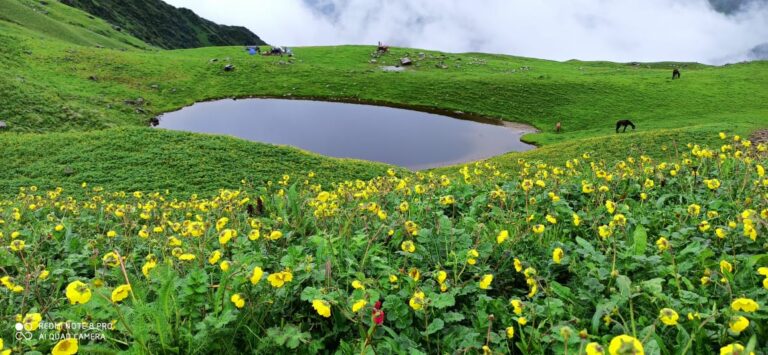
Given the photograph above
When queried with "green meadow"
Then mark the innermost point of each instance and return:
(70, 83)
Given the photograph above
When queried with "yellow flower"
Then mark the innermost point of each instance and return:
(738, 323)
(557, 255)
(517, 305)
(215, 256)
(604, 231)
(78, 292)
(595, 349)
(359, 305)
(704, 226)
(522, 321)
(472, 256)
(408, 246)
(392, 278)
(148, 266)
(744, 304)
(668, 316)
(17, 245)
(694, 210)
(256, 275)
(733, 349)
(662, 243)
(503, 235)
(187, 257)
(551, 219)
(275, 235)
(619, 219)
(120, 293)
(485, 281)
(447, 200)
(66, 346)
(441, 277)
(31, 321)
(221, 223)
(518, 265)
(721, 233)
(111, 259)
(279, 279)
(610, 206)
(43, 275)
(625, 344)
(725, 266)
(538, 229)
(59, 227)
(417, 300)
(487, 350)
(226, 235)
(238, 300)
(510, 332)
(404, 206)
(414, 273)
(576, 220)
(254, 234)
(357, 285)
(225, 265)
(712, 184)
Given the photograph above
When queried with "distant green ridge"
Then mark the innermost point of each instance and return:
(165, 26)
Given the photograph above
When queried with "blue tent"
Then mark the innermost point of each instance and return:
(252, 51)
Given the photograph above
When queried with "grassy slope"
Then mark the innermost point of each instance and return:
(46, 89)
(164, 25)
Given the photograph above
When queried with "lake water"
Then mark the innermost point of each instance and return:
(412, 139)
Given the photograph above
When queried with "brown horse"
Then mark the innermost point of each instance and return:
(675, 74)
(624, 123)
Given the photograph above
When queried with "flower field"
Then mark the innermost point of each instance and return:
(636, 256)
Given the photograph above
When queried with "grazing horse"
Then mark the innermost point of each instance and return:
(675, 74)
(624, 123)
(557, 127)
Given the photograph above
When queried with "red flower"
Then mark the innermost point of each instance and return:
(378, 313)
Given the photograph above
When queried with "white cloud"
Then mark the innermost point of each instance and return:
(618, 30)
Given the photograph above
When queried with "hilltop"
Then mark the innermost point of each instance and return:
(164, 25)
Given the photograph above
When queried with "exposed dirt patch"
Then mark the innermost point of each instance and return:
(760, 136)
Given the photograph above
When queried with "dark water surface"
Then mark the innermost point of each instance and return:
(412, 139)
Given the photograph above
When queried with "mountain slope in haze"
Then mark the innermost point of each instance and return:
(165, 26)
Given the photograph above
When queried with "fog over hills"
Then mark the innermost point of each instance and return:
(708, 31)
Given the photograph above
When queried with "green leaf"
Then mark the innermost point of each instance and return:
(443, 300)
(624, 284)
(451, 317)
(310, 293)
(562, 291)
(640, 238)
(436, 325)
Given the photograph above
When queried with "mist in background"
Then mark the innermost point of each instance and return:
(707, 31)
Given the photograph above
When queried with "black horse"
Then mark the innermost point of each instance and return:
(675, 74)
(624, 123)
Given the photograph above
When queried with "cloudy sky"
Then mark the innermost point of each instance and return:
(709, 31)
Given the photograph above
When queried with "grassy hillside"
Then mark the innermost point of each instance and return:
(57, 83)
(56, 21)
(165, 26)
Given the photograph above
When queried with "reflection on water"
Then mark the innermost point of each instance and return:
(412, 139)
